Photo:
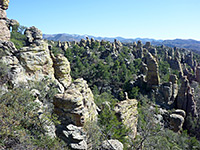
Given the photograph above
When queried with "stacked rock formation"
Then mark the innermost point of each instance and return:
(34, 36)
(152, 77)
(4, 31)
(185, 98)
(75, 107)
(62, 69)
(126, 111)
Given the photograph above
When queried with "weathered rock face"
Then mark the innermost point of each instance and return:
(76, 106)
(34, 36)
(4, 4)
(112, 145)
(126, 111)
(4, 31)
(185, 98)
(74, 136)
(166, 91)
(152, 77)
(36, 61)
(17, 72)
(3, 14)
(62, 69)
(176, 65)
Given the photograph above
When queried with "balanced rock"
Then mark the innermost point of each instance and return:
(62, 69)
(126, 111)
(76, 106)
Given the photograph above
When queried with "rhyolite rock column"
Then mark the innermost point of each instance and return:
(4, 31)
(152, 77)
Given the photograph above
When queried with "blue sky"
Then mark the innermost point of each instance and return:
(158, 19)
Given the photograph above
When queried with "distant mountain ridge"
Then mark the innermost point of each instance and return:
(181, 43)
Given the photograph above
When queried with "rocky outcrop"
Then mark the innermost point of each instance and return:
(152, 77)
(37, 62)
(4, 31)
(185, 99)
(126, 112)
(112, 145)
(74, 136)
(17, 72)
(76, 106)
(176, 65)
(4, 4)
(62, 69)
(34, 36)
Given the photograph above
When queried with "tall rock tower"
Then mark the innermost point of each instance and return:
(4, 31)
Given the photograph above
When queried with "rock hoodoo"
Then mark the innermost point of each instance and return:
(126, 111)
(185, 99)
(152, 77)
(4, 31)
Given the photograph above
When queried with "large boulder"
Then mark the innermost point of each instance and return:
(126, 112)
(76, 106)
(62, 69)
(112, 145)
(74, 136)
